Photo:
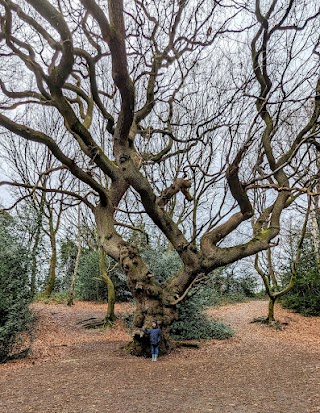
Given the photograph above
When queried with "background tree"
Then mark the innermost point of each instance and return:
(34, 172)
(53, 211)
(270, 278)
(164, 104)
(304, 296)
(104, 273)
(24, 165)
(77, 260)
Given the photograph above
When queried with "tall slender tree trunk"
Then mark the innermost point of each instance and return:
(315, 220)
(53, 260)
(76, 265)
(270, 280)
(74, 276)
(34, 252)
(110, 316)
(33, 278)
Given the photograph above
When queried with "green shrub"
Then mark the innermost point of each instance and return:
(304, 298)
(15, 316)
(194, 325)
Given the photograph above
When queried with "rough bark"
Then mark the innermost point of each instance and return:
(74, 276)
(149, 297)
(76, 265)
(35, 246)
(272, 302)
(110, 316)
(151, 300)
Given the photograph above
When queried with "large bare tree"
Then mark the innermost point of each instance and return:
(185, 111)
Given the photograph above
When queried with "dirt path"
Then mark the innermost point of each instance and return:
(72, 370)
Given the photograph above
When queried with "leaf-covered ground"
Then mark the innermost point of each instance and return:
(72, 370)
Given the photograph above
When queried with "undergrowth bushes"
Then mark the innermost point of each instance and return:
(304, 297)
(15, 317)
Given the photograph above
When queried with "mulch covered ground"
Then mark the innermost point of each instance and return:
(73, 370)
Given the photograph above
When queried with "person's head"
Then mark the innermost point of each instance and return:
(154, 324)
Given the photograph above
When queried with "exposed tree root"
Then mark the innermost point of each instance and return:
(92, 323)
(276, 325)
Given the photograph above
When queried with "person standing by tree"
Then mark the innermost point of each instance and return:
(155, 337)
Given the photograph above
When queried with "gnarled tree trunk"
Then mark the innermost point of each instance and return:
(150, 301)
(34, 252)
(150, 298)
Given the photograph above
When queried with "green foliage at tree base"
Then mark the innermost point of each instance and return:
(194, 325)
(304, 298)
(220, 287)
(303, 305)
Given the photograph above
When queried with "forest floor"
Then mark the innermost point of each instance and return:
(73, 370)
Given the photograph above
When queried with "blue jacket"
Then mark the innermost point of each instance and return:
(155, 335)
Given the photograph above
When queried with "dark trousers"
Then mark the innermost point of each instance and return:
(155, 349)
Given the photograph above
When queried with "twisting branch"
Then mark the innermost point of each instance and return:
(60, 73)
(197, 280)
(180, 184)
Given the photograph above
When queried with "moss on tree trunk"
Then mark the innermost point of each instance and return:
(110, 316)
(272, 302)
